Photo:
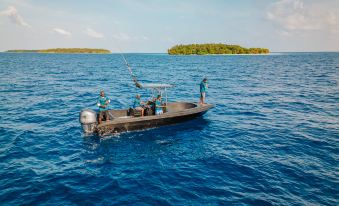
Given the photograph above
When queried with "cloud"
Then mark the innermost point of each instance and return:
(62, 32)
(90, 32)
(12, 13)
(126, 37)
(121, 36)
(294, 16)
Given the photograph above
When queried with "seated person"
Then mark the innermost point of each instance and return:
(158, 106)
(149, 107)
(137, 104)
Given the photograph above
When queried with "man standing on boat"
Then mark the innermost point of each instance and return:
(102, 103)
(203, 90)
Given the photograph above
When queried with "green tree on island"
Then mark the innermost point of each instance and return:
(203, 49)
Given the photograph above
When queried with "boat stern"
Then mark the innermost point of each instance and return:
(88, 120)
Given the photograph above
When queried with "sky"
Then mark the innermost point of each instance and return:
(156, 25)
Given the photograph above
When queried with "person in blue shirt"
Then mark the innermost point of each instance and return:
(203, 90)
(158, 106)
(102, 103)
(137, 104)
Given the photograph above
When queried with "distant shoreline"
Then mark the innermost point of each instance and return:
(164, 53)
(214, 49)
(63, 51)
(262, 54)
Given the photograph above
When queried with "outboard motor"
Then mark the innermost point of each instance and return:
(88, 120)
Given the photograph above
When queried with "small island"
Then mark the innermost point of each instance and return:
(212, 49)
(64, 51)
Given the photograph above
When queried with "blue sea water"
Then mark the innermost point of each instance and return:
(272, 138)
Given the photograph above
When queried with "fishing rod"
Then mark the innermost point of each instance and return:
(134, 78)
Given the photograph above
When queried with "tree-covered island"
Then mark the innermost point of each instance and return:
(64, 51)
(205, 49)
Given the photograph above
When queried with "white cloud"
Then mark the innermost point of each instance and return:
(126, 37)
(62, 32)
(121, 36)
(12, 13)
(294, 16)
(332, 18)
(90, 32)
(143, 38)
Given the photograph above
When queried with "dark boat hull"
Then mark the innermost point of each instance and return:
(140, 123)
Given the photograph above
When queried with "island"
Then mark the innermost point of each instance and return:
(64, 51)
(212, 49)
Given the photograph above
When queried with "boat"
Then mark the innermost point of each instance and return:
(124, 120)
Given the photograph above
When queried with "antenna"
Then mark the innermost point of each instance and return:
(134, 78)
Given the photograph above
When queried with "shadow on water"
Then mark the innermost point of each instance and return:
(152, 134)
(145, 143)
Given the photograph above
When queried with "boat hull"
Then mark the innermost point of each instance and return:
(139, 123)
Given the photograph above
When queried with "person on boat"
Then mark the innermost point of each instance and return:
(137, 104)
(203, 90)
(102, 103)
(158, 106)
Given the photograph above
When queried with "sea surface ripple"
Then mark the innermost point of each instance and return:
(272, 138)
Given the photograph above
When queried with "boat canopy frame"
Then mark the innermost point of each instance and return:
(157, 88)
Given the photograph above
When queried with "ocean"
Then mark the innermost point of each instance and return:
(272, 138)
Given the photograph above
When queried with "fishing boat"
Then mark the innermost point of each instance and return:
(129, 120)
(125, 120)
